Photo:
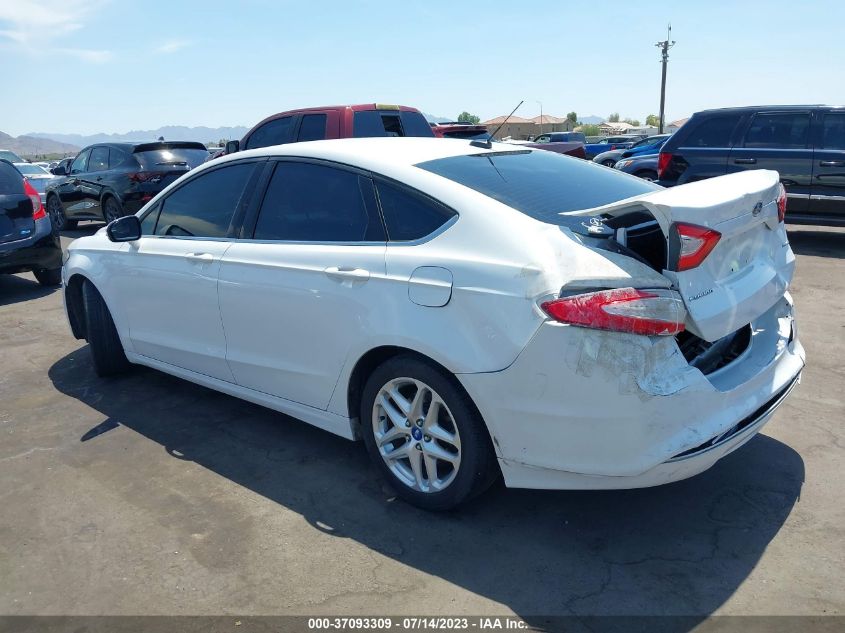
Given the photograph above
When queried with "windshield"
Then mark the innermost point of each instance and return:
(539, 183)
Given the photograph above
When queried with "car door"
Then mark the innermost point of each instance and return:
(167, 280)
(69, 190)
(779, 140)
(301, 290)
(91, 180)
(827, 192)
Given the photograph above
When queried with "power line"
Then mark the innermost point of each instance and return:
(664, 46)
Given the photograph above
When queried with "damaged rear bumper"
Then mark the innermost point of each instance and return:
(586, 409)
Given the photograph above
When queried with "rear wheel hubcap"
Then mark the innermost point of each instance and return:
(425, 454)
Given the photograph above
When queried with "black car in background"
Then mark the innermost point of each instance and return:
(805, 144)
(108, 180)
(27, 241)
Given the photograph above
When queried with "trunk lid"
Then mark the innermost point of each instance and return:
(751, 265)
(16, 221)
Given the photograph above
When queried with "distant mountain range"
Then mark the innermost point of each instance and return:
(29, 146)
(169, 132)
(591, 120)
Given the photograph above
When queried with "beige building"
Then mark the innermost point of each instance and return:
(521, 129)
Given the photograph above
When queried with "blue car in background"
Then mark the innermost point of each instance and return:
(649, 145)
(643, 166)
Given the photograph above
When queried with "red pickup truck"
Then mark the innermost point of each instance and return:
(314, 124)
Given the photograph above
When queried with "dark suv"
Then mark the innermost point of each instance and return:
(108, 180)
(805, 144)
(27, 241)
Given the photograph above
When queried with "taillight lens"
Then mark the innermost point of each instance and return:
(146, 176)
(694, 244)
(648, 312)
(781, 203)
(663, 161)
(38, 212)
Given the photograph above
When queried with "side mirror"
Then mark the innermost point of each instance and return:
(233, 147)
(59, 170)
(125, 229)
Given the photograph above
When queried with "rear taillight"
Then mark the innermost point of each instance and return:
(648, 312)
(781, 203)
(38, 212)
(692, 244)
(145, 176)
(663, 161)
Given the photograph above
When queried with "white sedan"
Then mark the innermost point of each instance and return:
(469, 312)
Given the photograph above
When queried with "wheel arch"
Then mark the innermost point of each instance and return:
(75, 305)
(373, 358)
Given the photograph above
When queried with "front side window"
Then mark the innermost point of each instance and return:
(275, 132)
(99, 160)
(316, 203)
(833, 131)
(205, 205)
(712, 132)
(778, 130)
(312, 128)
(543, 139)
(80, 163)
(409, 216)
(539, 183)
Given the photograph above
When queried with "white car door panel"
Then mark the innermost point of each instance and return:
(293, 311)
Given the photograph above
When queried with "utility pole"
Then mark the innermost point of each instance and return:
(541, 116)
(664, 46)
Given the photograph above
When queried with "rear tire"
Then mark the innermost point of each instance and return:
(609, 163)
(450, 456)
(106, 348)
(48, 277)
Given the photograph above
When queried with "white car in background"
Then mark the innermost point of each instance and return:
(468, 312)
(38, 177)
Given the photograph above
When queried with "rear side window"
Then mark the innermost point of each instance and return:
(778, 130)
(833, 131)
(204, 206)
(116, 157)
(713, 131)
(316, 203)
(410, 216)
(99, 160)
(312, 128)
(539, 183)
(11, 181)
(275, 132)
(370, 123)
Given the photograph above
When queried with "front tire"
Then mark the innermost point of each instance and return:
(424, 434)
(647, 174)
(48, 277)
(106, 348)
(112, 209)
(609, 163)
(57, 215)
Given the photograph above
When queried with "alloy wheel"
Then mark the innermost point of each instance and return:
(57, 213)
(112, 210)
(416, 435)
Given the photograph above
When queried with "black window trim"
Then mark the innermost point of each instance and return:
(236, 225)
(251, 217)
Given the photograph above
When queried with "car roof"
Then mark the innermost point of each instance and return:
(379, 154)
(770, 107)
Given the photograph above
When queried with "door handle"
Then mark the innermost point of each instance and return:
(200, 258)
(832, 163)
(347, 272)
(745, 161)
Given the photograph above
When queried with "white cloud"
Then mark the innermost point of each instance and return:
(35, 24)
(172, 46)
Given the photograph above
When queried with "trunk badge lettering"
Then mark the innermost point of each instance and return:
(757, 209)
(704, 293)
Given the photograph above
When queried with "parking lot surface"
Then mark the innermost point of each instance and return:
(146, 494)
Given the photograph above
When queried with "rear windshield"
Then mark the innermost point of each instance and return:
(10, 156)
(11, 181)
(368, 123)
(32, 170)
(172, 157)
(539, 183)
(483, 135)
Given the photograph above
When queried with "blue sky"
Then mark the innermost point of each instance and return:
(89, 66)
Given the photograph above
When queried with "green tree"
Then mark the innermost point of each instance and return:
(652, 120)
(572, 117)
(613, 118)
(634, 122)
(466, 117)
(590, 130)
